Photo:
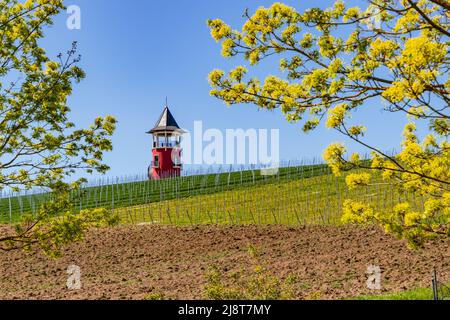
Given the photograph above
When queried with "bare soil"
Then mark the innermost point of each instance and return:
(130, 262)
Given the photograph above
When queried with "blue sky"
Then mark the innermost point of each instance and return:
(136, 53)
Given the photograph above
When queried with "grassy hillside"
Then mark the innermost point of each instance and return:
(115, 194)
(302, 201)
(296, 195)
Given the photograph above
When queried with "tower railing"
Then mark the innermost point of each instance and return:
(165, 145)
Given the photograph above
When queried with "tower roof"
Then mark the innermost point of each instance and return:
(166, 123)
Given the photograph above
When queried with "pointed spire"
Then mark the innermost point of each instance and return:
(166, 123)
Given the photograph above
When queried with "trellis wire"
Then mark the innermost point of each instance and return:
(307, 192)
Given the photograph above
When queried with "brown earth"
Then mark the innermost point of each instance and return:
(130, 262)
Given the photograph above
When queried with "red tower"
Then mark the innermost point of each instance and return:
(166, 149)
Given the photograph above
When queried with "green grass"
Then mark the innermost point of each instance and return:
(295, 196)
(122, 195)
(416, 294)
(302, 201)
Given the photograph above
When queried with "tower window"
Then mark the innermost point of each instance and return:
(156, 161)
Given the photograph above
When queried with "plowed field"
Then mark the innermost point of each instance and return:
(130, 262)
